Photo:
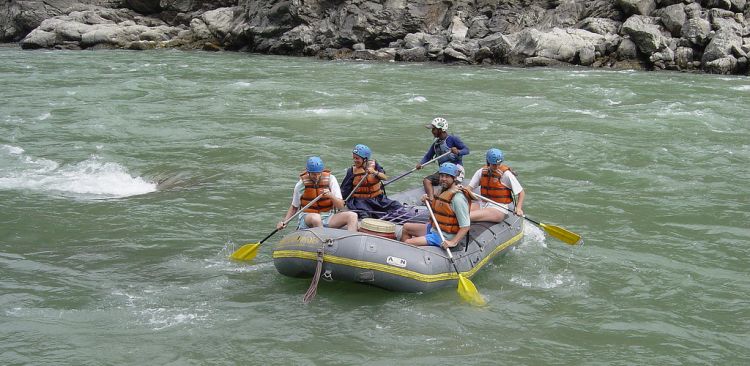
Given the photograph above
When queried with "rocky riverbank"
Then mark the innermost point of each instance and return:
(692, 35)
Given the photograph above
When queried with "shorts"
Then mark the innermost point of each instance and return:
(325, 217)
(485, 204)
(432, 237)
(435, 177)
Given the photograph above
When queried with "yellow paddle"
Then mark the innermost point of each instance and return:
(248, 251)
(466, 288)
(567, 237)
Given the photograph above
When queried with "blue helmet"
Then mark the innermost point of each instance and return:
(362, 151)
(314, 165)
(494, 156)
(448, 168)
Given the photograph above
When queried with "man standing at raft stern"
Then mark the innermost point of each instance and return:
(364, 183)
(442, 144)
(451, 210)
(498, 183)
(313, 182)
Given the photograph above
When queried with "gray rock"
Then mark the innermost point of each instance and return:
(724, 20)
(721, 4)
(721, 46)
(39, 39)
(587, 55)
(558, 44)
(383, 54)
(478, 27)
(683, 57)
(458, 29)
(219, 21)
(724, 65)
(696, 31)
(627, 50)
(541, 62)
(673, 17)
(601, 26)
(645, 32)
(451, 55)
(637, 7)
(415, 54)
(499, 44)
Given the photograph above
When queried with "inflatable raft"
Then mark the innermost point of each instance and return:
(372, 256)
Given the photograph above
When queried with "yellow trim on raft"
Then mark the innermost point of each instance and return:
(301, 254)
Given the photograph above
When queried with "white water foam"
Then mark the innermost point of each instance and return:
(91, 178)
(417, 99)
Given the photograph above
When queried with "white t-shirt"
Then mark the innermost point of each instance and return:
(300, 187)
(508, 179)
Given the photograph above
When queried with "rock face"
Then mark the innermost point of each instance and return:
(709, 35)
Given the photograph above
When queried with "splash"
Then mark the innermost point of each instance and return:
(91, 178)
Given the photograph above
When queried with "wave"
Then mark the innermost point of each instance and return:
(91, 178)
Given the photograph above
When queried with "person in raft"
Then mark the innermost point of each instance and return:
(499, 183)
(315, 181)
(363, 186)
(451, 210)
(442, 144)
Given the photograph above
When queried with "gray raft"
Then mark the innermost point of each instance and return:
(391, 264)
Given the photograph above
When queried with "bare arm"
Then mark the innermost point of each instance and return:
(519, 203)
(289, 213)
(459, 235)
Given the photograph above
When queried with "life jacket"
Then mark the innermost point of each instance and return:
(371, 187)
(492, 188)
(314, 189)
(441, 147)
(444, 214)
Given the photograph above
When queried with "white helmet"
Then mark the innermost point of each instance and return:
(440, 123)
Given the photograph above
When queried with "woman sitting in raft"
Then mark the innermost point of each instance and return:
(363, 186)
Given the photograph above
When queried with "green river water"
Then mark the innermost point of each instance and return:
(99, 266)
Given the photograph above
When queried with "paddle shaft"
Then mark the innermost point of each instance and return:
(413, 170)
(440, 232)
(358, 184)
(564, 235)
(506, 209)
(293, 216)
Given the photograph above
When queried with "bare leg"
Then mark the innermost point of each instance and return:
(417, 241)
(341, 219)
(412, 229)
(487, 214)
(313, 220)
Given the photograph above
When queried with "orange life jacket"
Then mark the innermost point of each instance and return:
(444, 214)
(492, 188)
(314, 189)
(371, 187)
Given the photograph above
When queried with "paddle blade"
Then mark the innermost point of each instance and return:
(469, 292)
(246, 252)
(565, 236)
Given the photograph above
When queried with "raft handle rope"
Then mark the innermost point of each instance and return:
(313, 289)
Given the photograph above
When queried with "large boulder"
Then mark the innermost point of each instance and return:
(696, 30)
(673, 17)
(646, 32)
(637, 7)
(557, 44)
(721, 45)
